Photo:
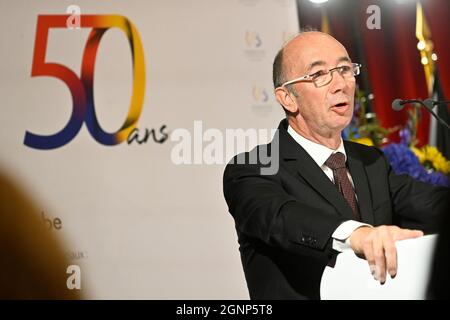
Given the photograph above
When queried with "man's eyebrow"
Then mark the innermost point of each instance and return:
(315, 64)
(322, 63)
(342, 59)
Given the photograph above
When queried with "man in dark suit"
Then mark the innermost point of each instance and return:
(328, 195)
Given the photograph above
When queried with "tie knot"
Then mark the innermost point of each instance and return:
(336, 161)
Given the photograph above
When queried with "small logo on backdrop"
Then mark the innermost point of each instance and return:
(253, 39)
(261, 105)
(260, 94)
(254, 45)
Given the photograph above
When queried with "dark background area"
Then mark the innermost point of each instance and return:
(390, 58)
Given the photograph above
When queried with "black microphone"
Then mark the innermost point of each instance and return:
(398, 104)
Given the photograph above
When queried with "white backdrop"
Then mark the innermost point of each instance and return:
(138, 225)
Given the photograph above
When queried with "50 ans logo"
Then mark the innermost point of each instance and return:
(81, 88)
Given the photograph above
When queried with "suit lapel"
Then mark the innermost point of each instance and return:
(300, 162)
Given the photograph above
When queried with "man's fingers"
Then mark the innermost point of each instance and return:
(390, 252)
(378, 247)
(380, 260)
(369, 256)
(403, 234)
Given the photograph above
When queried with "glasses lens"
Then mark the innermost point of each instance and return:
(323, 79)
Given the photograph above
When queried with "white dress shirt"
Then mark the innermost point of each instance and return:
(320, 154)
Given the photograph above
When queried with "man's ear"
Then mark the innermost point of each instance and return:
(284, 97)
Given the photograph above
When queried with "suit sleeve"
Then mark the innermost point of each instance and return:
(416, 204)
(263, 210)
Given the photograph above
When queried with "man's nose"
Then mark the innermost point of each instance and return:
(338, 82)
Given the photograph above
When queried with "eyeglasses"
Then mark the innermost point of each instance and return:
(323, 77)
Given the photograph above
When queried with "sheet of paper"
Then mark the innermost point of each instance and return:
(351, 278)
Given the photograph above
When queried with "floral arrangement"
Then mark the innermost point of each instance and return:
(404, 159)
(425, 164)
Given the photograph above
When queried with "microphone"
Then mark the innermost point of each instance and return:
(398, 104)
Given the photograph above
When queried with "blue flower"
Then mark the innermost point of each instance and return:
(404, 161)
(405, 136)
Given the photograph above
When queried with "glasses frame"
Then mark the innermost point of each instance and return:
(356, 71)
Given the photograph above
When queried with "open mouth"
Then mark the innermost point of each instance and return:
(341, 108)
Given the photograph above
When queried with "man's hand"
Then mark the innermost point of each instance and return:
(377, 245)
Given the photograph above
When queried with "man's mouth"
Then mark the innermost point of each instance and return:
(341, 104)
(340, 107)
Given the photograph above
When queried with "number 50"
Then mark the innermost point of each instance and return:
(81, 88)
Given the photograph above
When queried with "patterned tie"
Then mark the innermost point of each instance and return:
(336, 162)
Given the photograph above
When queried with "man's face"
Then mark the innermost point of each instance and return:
(327, 109)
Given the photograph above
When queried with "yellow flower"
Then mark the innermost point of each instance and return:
(429, 155)
(419, 154)
(364, 140)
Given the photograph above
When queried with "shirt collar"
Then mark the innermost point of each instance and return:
(318, 152)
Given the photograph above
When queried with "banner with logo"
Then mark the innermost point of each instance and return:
(118, 117)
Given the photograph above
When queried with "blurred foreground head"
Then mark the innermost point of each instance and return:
(32, 262)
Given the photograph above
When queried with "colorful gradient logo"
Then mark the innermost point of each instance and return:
(260, 94)
(81, 88)
(253, 39)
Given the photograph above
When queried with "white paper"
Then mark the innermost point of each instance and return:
(351, 278)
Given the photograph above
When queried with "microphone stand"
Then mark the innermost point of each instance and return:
(428, 104)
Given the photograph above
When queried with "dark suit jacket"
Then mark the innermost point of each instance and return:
(285, 221)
